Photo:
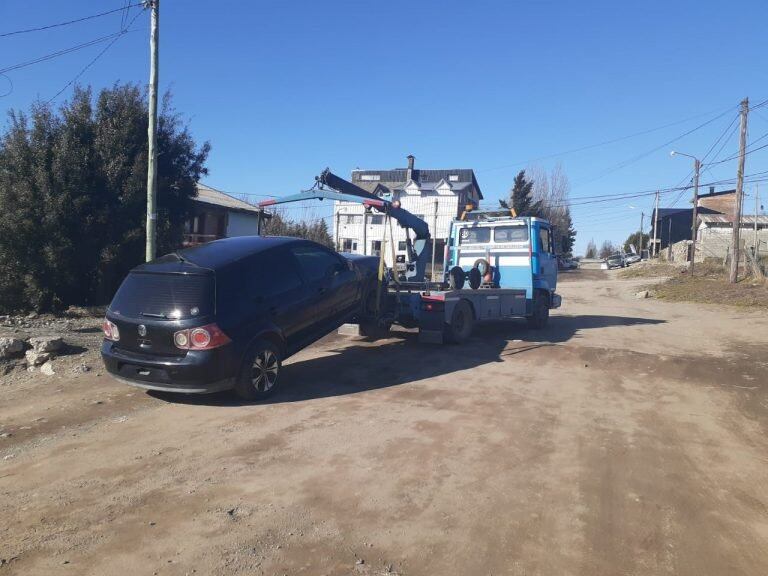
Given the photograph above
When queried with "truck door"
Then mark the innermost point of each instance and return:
(545, 256)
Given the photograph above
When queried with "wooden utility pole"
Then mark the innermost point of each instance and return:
(694, 225)
(655, 249)
(739, 193)
(154, 36)
(642, 218)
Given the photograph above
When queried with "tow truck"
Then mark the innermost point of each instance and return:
(498, 266)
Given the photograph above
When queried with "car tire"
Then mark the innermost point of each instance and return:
(260, 374)
(462, 322)
(540, 316)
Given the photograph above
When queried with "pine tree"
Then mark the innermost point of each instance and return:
(521, 197)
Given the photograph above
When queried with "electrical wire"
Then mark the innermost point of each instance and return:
(604, 143)
(68, 22)
(62, 52)
(92, 62)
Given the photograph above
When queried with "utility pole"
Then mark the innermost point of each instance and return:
(642, 218)
(669, 241)
(739, 193)
(655, 249)
(694, 224)
(154, 36)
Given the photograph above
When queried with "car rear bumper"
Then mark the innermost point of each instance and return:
(198, 372)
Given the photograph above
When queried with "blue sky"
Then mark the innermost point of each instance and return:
(283, 89)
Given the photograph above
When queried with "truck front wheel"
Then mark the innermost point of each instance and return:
(462, 322)
(540, 315)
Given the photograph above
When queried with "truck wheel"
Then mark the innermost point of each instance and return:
(260, 374)
(540, 315)
(462, 322)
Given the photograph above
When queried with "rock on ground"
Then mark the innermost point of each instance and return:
(36, 358)
(47, 368)
(10, 347)
(46, 343)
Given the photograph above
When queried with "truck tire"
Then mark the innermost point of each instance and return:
(260, 374)
(540, 316)
(462, 322)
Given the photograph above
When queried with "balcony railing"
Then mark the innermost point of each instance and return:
(194, 239)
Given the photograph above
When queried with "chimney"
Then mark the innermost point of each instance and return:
(409, 173)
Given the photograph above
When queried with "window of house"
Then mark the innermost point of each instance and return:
(370, 177)
(401, 246)
(348, 245)
(351, 218)
(474, 235)
(453, 178)
(376, 247)
(510, 234)
(376, 219)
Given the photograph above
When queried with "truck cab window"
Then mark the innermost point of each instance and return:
(474, 235)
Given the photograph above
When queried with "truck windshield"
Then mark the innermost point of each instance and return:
(510, 234)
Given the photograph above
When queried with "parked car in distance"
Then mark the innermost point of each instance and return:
(567, 263)
(227, 313)
(632, 258)
(616, 261)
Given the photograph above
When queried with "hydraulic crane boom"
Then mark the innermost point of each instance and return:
(419, 250)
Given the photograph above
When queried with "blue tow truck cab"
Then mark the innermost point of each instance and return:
(498, 267)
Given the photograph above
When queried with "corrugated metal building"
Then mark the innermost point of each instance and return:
(713, 238)
(437, 196)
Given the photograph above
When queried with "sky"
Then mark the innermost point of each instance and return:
(283, 89)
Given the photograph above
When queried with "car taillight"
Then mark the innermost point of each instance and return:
(203, 338)
(110, 331)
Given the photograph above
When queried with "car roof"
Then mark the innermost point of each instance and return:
(215, 255)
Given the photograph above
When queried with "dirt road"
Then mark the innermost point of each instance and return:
(627, 438)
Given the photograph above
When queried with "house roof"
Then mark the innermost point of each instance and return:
(726, 219)
(213, 197)
(397, 178)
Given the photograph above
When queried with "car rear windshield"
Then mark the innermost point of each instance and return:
(171, 296)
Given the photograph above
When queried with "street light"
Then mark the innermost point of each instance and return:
(696, 169)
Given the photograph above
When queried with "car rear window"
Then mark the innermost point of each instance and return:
(510, 234)
(172, 296)
(474, 235)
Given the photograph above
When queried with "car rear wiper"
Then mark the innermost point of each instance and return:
(151, 315)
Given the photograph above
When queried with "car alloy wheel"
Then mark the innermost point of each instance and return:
(265, 370)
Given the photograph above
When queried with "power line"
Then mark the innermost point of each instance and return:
(604, 143)
(639, 157)
(67, 23)
(62, 52)
(92, 62)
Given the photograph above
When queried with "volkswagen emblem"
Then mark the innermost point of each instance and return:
(142, 330)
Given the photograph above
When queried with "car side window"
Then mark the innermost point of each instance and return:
(273, 274)
(316, 263)
(544, 246)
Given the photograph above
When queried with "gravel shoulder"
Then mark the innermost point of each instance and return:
(629, 437)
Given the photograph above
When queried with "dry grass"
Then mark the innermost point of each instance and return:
(650, 269)
(710, 285)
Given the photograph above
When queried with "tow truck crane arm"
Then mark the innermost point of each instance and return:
(419, 251)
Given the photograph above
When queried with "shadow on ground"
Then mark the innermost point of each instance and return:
(358, 366)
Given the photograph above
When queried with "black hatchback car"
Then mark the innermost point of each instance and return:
(226, 314)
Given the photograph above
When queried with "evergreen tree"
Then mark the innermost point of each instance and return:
(591, 250)
(521, 197)
(73, 196)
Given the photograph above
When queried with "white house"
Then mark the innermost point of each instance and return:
(216, 215)
(436, 196)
